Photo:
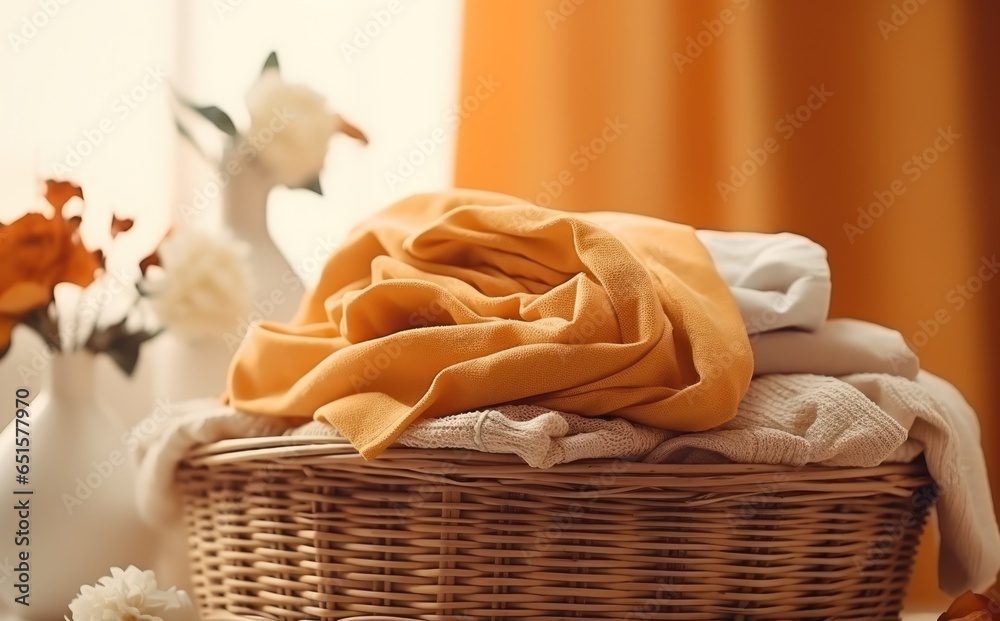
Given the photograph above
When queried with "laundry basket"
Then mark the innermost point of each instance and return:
(304, 528)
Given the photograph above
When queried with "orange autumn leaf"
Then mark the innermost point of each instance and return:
(151, 260)
(15, 302)
(120, 225)
(6, 327)
(58, 193)
(38, 253)
(154, 257)
(22, 298)
(971, 606)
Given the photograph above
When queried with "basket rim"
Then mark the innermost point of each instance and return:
(320, 453)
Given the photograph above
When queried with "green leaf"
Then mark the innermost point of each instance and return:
(183, 131)
(46, 326)
(213, 113)
(103, 339)
(124, 349)
(125, 356)
(314, 186)
(271, 62)
(218, 118)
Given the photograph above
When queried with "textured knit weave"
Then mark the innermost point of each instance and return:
(795, 420)
(457, 301)
(539, 436)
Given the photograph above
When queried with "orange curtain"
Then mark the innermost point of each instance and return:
(869, 126)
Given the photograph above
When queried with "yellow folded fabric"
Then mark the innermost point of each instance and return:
(450, 302)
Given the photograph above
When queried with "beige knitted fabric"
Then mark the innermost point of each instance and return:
(539, 436)
(783, 419)
(794, 420)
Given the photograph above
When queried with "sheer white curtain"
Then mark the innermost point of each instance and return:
(85, 95)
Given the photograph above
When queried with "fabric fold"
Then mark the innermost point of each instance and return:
(456, 301)
(836, 347)
(779, 280)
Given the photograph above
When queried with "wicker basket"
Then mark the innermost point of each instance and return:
(290, 529)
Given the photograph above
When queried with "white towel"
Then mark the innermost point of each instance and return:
(188, 424)
(836, 347)
(779, 280)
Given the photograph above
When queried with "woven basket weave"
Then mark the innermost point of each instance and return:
(291, 529)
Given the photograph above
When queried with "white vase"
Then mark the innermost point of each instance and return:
(277, 288)
(194, 368)
(81, 517)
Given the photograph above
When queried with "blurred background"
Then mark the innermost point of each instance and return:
(869, 126)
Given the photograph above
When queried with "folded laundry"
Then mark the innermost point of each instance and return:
(779, 280)
(836, 347)
(590, 313)
(540, 436)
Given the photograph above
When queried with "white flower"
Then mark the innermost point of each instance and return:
(205, 286)
(290, 127)
(131, 595)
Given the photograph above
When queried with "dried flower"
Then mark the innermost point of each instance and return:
(971, 606)
(37, 254)
(205, 286)
(290, 128)
(131, 594)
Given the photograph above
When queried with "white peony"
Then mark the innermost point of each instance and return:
(131, 595)
(290, 128)
(205, 285)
